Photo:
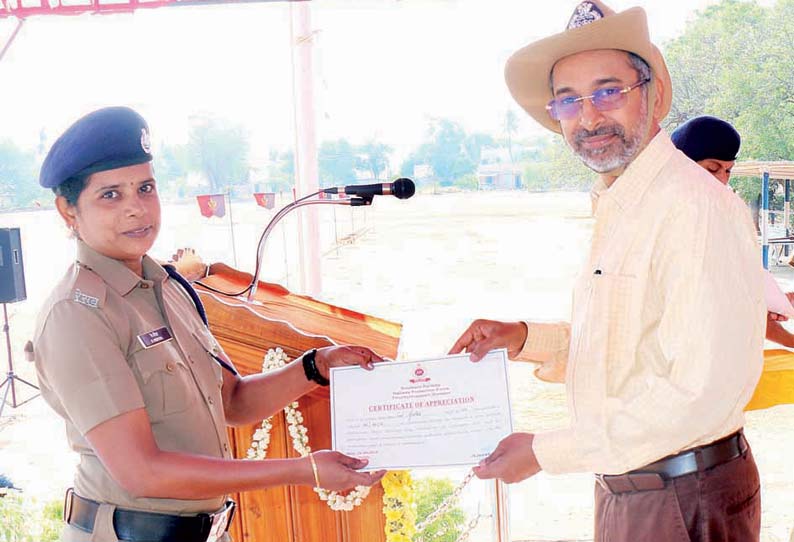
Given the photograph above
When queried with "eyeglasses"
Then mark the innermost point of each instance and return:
(603, 99)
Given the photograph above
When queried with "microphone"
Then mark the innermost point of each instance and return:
(401, 189)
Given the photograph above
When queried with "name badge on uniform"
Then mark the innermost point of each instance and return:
(155, 337)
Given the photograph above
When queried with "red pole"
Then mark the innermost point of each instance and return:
(11, 39)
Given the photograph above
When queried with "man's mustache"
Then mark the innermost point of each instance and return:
(583, 134)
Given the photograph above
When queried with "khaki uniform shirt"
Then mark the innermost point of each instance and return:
(665, 344)
(93, 365)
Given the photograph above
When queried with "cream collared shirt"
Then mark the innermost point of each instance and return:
(664, 348)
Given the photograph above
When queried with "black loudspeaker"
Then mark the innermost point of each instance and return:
(12, 272)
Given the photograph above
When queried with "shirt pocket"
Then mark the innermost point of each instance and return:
(166, 382)
(614, 317)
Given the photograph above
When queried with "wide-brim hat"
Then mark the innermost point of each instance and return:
(593, 26)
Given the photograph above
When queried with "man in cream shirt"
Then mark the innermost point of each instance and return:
(665, 342)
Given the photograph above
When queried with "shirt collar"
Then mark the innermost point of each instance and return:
(631, 185)
(117, 275)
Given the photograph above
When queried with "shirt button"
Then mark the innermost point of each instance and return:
(144, 286)
(209, 400)
(225, 447)
(169, 367)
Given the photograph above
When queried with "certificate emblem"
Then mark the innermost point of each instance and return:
(419, 375)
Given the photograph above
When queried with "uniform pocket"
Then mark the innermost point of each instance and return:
(166, 382)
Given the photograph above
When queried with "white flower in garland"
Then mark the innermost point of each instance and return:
(275, 359)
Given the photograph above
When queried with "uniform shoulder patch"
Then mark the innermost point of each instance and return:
(85, 299)
(88, 288)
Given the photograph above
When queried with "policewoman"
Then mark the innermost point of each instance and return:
(124, 357)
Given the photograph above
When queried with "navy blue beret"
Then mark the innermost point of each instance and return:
(108, 138)
(707, 137)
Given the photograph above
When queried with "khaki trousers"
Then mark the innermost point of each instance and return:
(722, 504)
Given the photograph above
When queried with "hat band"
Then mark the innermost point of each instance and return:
(107, 165)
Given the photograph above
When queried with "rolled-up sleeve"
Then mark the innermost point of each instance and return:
(79, 360)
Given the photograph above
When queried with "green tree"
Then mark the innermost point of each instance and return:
(429, 494)
(709, 63)
(219, 149)
(25, 519)
(337, 163)
(556, 167)
(475, 143)
(446, 152)
(373, 158)
(281, 171)
(418, 156)
(510, 127)
(171, 165)
(19, 185)
(735, 60)
(468, 182)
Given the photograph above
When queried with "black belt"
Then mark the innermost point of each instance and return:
(654, 475)
(136, 526)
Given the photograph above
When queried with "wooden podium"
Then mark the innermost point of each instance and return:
(294, 323)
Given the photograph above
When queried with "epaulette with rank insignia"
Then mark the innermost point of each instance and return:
(88, 288)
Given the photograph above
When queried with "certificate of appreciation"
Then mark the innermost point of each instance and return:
(438, 412)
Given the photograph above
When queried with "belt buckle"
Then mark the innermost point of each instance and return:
(221, 522)
(67, 505)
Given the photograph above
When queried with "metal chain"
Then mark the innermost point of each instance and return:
(470, 527)
(446, 505)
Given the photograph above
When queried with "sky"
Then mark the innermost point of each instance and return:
(383, 68)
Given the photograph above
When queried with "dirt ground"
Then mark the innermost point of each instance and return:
(433, 263)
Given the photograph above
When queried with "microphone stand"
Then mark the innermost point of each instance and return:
(356, 201)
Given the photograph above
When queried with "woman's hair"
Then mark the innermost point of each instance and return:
(71, 188)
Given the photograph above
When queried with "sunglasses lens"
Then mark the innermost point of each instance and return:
(563, 110)
(607, 99)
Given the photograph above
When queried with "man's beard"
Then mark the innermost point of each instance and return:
(618, 153)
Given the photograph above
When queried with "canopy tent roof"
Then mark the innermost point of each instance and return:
(776, 169)
(25, 8)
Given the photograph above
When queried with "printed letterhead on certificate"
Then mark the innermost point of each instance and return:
(439, 412)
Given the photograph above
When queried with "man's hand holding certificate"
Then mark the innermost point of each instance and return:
(430, 413)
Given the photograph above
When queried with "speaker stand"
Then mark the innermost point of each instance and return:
(11, 379)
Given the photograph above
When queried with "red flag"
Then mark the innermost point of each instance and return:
(212, 205)
(265, 199)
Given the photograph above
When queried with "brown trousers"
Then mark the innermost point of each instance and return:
(722, 504)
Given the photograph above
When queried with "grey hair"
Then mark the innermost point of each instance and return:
(640, 66)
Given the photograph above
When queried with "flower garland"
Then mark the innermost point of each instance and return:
(399, 506)
(275, 359)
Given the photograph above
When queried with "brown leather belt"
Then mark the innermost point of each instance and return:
(136, 526)
(654, 475)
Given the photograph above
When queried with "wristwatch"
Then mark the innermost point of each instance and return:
(310, 368)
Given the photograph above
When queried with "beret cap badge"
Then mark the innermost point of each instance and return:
(146, 143)
(584, 14)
